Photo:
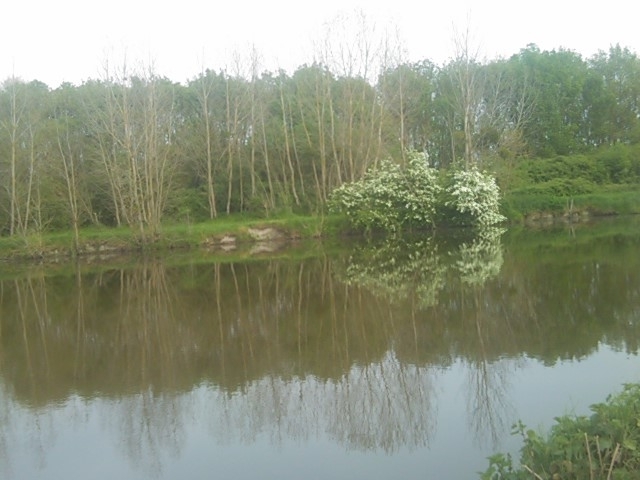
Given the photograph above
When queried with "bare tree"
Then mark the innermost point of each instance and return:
(468, 89)
(136, 130)
(204, 93)
(68, 161)
(356, 51)
(21, 127)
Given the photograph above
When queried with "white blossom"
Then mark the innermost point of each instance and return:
(390, 197)
(476, 194)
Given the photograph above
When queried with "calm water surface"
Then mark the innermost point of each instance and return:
(373, 360)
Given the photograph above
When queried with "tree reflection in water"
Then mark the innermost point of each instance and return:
(344, 346)
(417, 270)
(398, 269)
(380, 406)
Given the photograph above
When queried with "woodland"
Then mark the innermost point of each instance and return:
(134, 148)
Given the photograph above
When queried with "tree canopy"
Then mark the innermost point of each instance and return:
(134, 148)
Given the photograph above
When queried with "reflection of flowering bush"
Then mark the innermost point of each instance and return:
(476, 194)
(481, 259)
(390, 197)
(397, 270)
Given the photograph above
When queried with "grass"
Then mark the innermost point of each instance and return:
(173, 236)
(518, 206)
(609, 200)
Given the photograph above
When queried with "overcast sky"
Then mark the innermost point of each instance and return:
(68, 40)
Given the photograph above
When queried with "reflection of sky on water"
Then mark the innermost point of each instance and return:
(302, 428)
(395, 365)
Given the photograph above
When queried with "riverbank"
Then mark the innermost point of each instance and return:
(247, 236)
(230, 235)
(535, 209)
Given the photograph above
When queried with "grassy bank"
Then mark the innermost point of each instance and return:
(228, 234)
(604, 182)
(240, 232)
(521, 206)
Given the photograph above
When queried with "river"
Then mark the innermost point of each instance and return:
(369, 359)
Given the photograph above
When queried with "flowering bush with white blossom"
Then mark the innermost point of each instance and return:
(476, 196)
(393, 198)
(390, 197)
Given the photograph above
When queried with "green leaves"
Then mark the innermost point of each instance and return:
(602, 446)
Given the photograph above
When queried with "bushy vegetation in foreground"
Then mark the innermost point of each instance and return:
(604, 445)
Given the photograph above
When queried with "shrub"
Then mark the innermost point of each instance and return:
(390, 198)
(476, 196)
(559, 187)
(605, 445)
(622, 162)
(574, 166)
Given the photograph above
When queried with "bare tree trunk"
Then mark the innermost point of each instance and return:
(469, 91)
(266, 162)
(287, 150)
(229, 150)
(13, 126)
(69, 174)
(211, 193)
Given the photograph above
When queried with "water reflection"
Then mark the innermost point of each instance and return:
(398, 269)
(380, 406)
(345, 346)
(481, 258)
(149, 427)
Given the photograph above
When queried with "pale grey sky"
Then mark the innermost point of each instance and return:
(68, 40)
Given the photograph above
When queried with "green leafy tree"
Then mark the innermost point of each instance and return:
(407, 93)
(612, 97)
(558, 79)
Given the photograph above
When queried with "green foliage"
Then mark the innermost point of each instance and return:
(519, 204)
(623, 202)
(389, 197)
(604, 201)
(187, 205)
(605, 445)
(560, 187)
(565, 167)
(601, 182)
(621, 162)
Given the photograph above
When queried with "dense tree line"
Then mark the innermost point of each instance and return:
(134, 148)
